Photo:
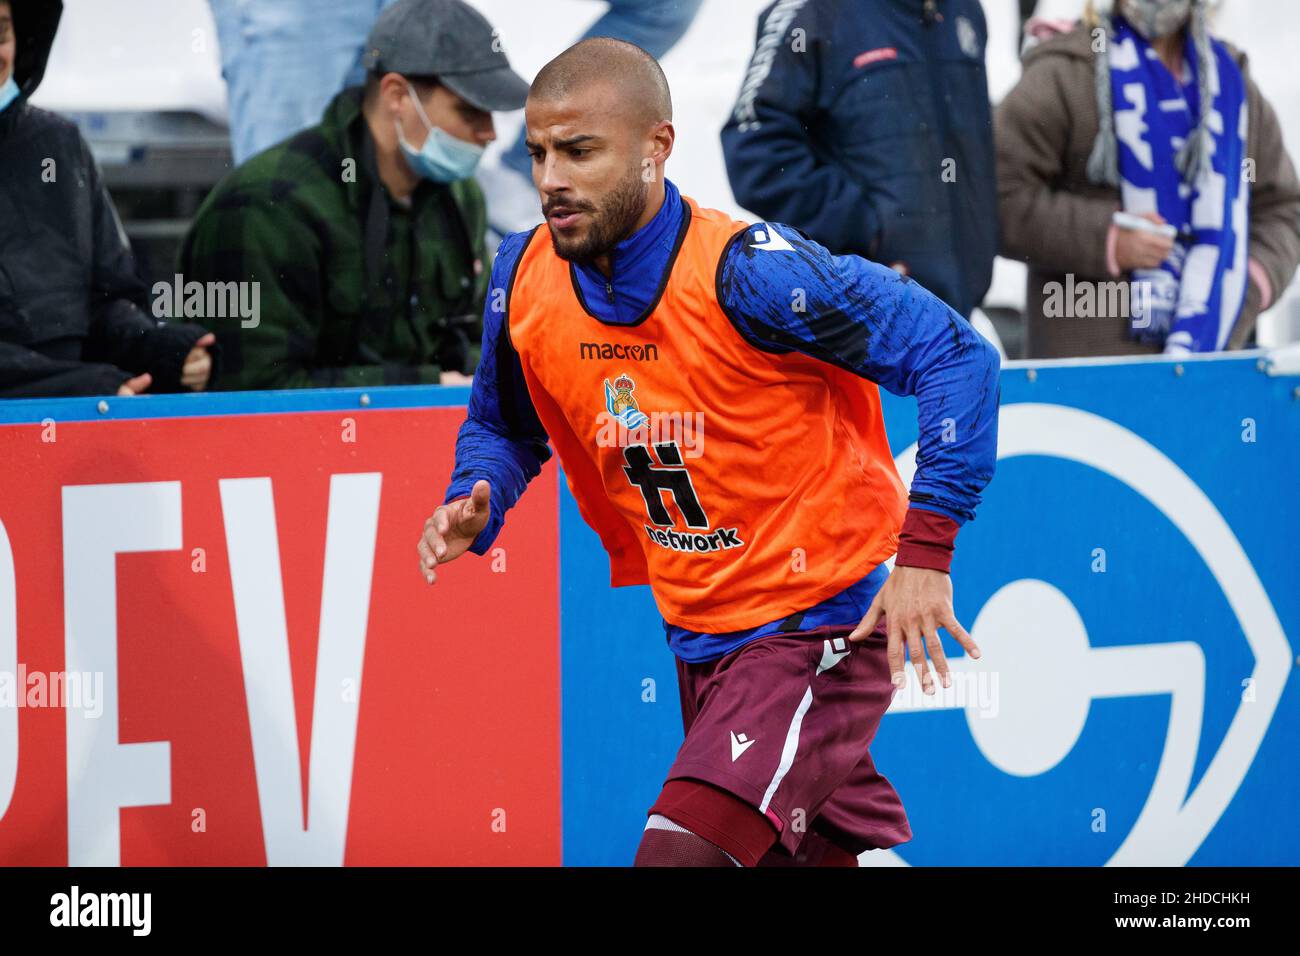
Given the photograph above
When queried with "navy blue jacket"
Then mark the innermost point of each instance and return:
(866, 123)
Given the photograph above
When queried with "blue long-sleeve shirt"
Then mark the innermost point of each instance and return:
(855, 314)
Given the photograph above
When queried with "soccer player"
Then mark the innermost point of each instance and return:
(763, 528)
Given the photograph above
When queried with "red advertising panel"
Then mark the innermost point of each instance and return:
(216, 648)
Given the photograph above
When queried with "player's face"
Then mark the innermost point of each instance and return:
(588, 157)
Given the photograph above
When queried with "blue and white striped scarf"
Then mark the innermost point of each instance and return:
(1191, 302)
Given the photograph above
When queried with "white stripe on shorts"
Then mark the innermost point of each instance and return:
(788, 751)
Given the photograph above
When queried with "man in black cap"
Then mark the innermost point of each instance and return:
(361, 238)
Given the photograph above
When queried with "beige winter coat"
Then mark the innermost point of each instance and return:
(1054, 219)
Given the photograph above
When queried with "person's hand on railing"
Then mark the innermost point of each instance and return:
(198, 364)
(134, 386)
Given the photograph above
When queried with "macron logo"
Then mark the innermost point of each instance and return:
(833, 651)
(739, 744)
(765, 237)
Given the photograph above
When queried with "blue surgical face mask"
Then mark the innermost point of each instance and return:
(443, 158)
(8, 93)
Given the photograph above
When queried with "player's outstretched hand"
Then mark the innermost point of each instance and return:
(916, 602)
(452, 528)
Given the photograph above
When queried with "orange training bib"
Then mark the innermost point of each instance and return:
(740, 484)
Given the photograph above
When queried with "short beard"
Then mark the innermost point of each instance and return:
(611, 223)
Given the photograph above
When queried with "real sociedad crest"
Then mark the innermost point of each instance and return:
(620, 403)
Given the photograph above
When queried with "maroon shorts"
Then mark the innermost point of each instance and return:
(784, 723)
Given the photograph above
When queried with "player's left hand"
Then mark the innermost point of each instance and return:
(916, 602)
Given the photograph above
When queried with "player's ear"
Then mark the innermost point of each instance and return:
(662, 138)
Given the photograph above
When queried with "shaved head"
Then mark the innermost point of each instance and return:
(634, 75)
(599, 129)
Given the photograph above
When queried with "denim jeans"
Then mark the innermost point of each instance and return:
(653, 25)
(283, 61)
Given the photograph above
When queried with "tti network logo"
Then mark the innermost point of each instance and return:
(1045, 673)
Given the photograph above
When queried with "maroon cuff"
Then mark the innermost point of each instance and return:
(926, 540)
(723, 819)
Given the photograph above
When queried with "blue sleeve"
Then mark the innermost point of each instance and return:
(785, 292)
(502, 439)
(766, 144)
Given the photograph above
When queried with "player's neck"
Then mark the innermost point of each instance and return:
(605, 263)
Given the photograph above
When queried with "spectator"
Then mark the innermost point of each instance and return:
(867, 125)
(366, 246)
(653, 25)
(1078, 140)
(73, 312)
(283, 61)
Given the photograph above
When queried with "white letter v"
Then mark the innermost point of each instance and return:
(249, 514)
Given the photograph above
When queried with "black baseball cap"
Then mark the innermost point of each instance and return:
(449, 40)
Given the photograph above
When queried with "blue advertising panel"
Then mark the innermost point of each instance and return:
(1131, 582)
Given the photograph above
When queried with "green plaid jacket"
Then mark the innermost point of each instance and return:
(353, 289)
